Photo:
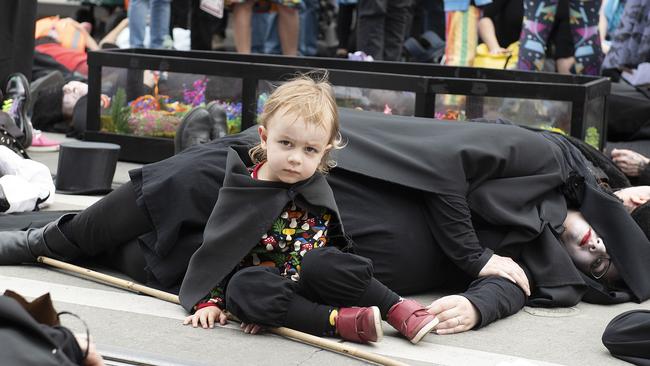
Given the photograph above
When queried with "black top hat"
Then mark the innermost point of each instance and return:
(86, 167)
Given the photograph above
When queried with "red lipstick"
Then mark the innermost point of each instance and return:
(585, 238)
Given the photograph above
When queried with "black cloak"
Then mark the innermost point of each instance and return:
(25, 341)
(505, 179)
(244, 211)
(512, 181)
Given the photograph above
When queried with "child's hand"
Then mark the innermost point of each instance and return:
(206, 317)
(251, 328)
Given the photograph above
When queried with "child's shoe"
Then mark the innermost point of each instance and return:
(361, 325)
(411, 319)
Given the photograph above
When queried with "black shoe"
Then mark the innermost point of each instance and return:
(16, 103)
(219, 120)
(196, 128)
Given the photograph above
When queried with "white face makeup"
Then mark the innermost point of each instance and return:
(586, 247)
(294, 148)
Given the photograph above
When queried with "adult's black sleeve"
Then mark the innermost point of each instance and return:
(495, 298)
(451, 225)
(644, 176)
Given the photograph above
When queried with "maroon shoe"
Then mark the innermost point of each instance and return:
(360, 325)
(411, 319)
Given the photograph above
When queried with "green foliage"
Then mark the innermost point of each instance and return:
(593, 137)
(120, 112)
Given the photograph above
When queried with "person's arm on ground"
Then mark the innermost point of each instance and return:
(111, 37)
(453, 230)
(208, 310)
(487, 300)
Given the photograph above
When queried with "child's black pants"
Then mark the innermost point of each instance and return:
(329, 279)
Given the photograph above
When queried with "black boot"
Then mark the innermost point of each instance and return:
(25, 246)
(195, 128)
(219, 120)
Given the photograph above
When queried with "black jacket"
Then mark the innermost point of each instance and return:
(27, 342)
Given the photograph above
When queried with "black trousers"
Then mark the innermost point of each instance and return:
(109, 230)
(382, 27)
(17, 19)
(328, 278)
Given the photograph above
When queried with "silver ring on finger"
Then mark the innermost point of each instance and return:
(458, 321)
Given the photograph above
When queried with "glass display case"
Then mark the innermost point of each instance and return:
(138, 97)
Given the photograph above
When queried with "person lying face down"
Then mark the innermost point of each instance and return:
(587, 249)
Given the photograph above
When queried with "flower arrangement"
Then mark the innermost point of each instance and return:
(196, 95)
(154, 123)
(452, 115)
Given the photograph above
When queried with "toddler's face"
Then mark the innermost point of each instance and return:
(294, 148)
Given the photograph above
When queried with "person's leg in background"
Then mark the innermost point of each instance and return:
(201, 29)
(584, 28)
(289, 28)
(461, 36)
(16, 38)
(138, 14)
(242, 13)
(398, 18)
(160, 17)
(344, 28)
(308, 45)
(538, 21)
(370, 27)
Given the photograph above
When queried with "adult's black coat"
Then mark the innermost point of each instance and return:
(501, 189)
(27, 342)
(484, 188)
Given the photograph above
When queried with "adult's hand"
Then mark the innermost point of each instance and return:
(455, 313)
(507, 268)
(631, 163)
(93, 358)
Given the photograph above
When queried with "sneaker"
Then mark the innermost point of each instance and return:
(40, 142)
(360, 325)
(411, 319)
(17, 101)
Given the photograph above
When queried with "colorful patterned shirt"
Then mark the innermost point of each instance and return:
(293, 233)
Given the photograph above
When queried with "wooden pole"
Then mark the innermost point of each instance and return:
(281, 331)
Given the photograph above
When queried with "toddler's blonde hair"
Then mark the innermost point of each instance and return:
(309, 96)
